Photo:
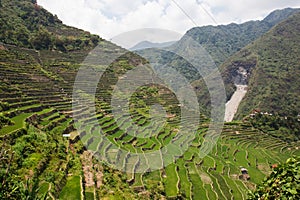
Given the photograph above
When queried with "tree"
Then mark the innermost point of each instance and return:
(22, 35)
(9, 188)
(95, 39)
(41, 40)
(10, 185)
(59, 44)
(283, 183)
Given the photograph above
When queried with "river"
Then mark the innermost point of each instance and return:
(233, 104)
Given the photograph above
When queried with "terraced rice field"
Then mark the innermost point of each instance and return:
(215, 176)
(37, 102)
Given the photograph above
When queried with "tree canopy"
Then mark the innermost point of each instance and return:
(283, 183)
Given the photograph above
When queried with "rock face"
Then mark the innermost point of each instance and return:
(242, 76)
(239, 72)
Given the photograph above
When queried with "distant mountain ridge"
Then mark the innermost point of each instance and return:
(221, 42)
(147, 44)
(279, 15)
(224, 40)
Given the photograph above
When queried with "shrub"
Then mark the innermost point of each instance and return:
(4, 121)
(4, 106)
(283, 183)
(41, 40)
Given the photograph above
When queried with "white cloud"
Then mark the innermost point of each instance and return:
(109, 18)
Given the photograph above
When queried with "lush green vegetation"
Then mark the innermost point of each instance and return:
(72, 189)
(283, 183)
(275, 72)
(223, 41)
(26, 24)
(286, 128)
(4, 121)
(11, 187)
(38, 158)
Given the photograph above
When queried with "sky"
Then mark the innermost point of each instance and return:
(110, 18)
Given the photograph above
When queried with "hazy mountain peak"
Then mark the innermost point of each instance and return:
(148, 44)
(279, 15)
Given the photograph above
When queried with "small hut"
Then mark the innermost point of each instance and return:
(244, 176)
(274, 166)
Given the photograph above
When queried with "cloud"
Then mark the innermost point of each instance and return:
(241, 11)
(109, 18)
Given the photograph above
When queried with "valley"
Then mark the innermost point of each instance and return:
(61, 143)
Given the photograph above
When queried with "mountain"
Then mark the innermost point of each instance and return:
(224, 40)
(220, 42)
(26, 24)
(147, 44)
(268, 66)
(273, 70)
(44, 156)
(40, 148)
(279, 15)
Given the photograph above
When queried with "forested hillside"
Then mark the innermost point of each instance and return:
(273, 71)
(221, 42)
(26, 24)
(225, 40)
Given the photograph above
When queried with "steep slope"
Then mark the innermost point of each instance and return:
(39, 60)
(220, 42)
(41, 148)
(26, 24)
(225, 40)
(272, 68)
(236, 72)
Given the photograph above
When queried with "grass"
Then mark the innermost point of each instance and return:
(185, 185)
(171, 181)
(89, 196)
(213, 177)
(32, 161)
(138, 179)
(223, 185)
(19, 123)
(72, 189)
(44, 187)
(198, 191)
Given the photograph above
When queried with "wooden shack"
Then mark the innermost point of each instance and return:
(245, 175)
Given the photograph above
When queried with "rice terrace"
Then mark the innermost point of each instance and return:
(60, 142)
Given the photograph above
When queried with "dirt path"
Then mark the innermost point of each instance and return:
(93, 172)
(87, 166)
(233, 104)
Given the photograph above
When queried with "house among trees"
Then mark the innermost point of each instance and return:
(274, 166)
(244, 176)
